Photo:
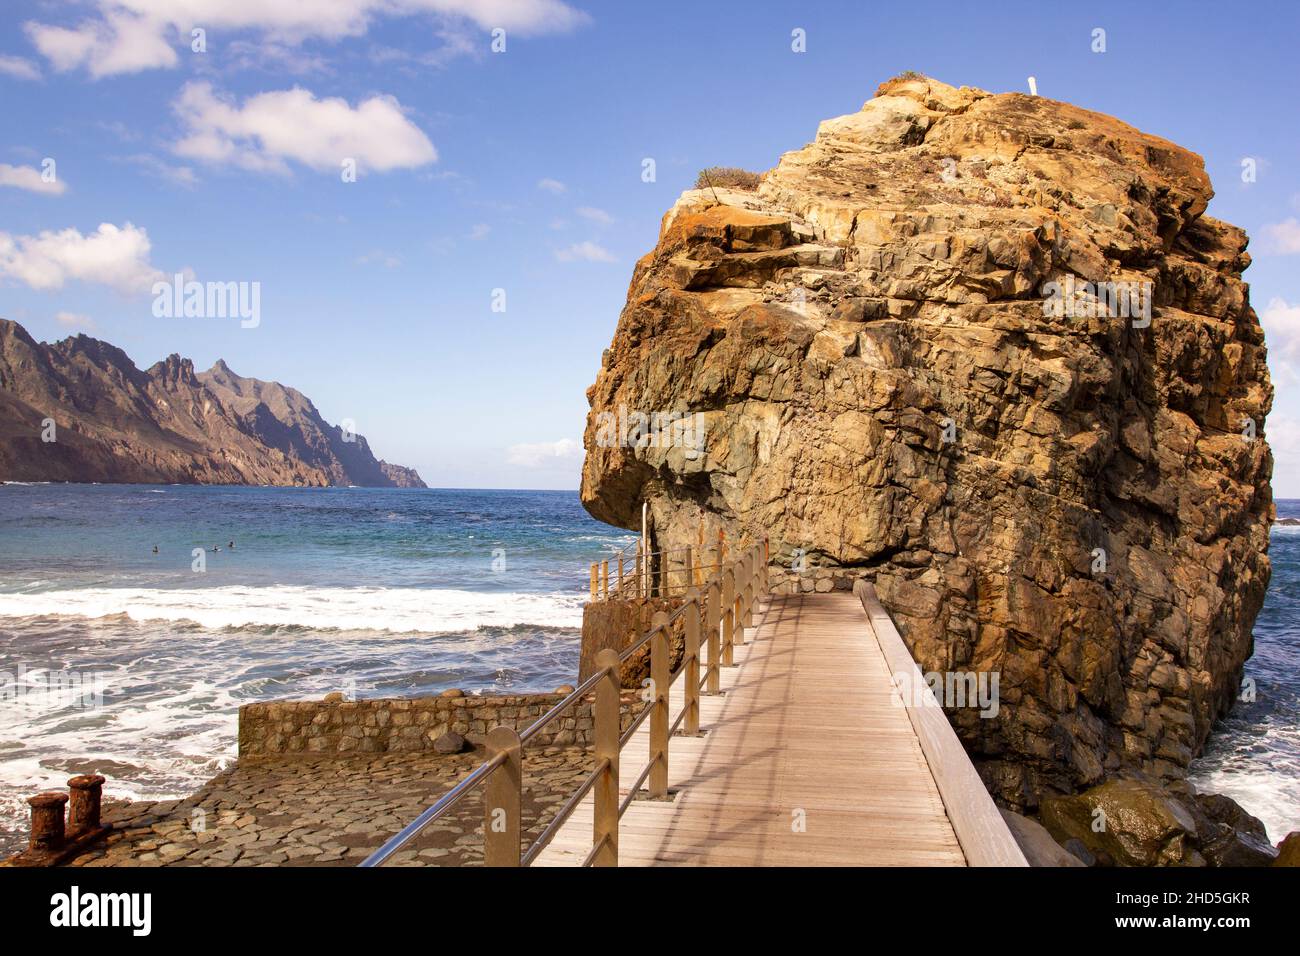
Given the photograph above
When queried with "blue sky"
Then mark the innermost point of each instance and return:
(521, 171)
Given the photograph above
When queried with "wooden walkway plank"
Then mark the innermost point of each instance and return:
(806, 759)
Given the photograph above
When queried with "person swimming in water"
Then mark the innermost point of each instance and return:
(155, 549)
(232, 546)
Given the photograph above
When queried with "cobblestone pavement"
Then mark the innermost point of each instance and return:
(327, 811)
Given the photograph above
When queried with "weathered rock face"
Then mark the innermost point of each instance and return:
(1044, 486)
(1131, 821)
(168, 423)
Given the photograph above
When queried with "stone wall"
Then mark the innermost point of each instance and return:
(616, 623)
(382, 725)
(822, 580)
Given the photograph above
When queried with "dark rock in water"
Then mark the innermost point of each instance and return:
(1288, 521)
(1288, 851)
(1229, 836)
(1135, 821)
(449, 743)
(1126, 822)
(1081, 852)
(1036, 843)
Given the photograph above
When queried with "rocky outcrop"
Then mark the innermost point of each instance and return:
(1132, 821)
(1288, 851)
(988, 351)
(112, 422)
(399, 476)
(1036, 843)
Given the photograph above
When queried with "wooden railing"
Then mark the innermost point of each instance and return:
(714, 619)
(636, 572)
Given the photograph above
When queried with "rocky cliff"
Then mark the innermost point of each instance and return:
(114, 422)
(988, 351)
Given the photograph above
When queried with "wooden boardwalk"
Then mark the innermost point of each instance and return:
(804, 759)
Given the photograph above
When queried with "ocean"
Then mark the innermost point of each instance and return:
(1253, 755)
(136, 662)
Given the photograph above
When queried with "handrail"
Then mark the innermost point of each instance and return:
(452, 797)
(586, 687)
(643, 573)
(722, 615)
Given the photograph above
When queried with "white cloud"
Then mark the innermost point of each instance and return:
(29, 178)
(585, 252)
(116, 256)
(1283, 434)
(270, 128)
(271, 55)
(595, 215)
(544, 453)
(1281, 322)
(126, 36)
(379, 257)
(19, 68)
(153, 166)
(119, 42)
(457, 41)
(552, 186)
(74, 320)
(1284, 237)
(480, 231)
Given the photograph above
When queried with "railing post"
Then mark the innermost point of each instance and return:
(604, 578)
(751, 573)
(501, 800)
(659, 714)
(691, 663)
(664, 582)
(728, 616)
(737, 604)
(690, 568)
(712, 619)
(619, 588)
(594, 575)
(605, 791)
(639, 581)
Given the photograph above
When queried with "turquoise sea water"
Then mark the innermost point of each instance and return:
(133, 663)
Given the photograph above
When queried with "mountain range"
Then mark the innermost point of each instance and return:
(80, 410)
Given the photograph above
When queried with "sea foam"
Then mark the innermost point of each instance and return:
(399, 610)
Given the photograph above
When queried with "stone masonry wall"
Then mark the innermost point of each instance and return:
(382, 725)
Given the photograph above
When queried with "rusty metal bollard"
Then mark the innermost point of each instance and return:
(83, 812)
(47, 820)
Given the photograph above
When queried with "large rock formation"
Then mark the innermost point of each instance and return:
(114, 422)
(1041, 482)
